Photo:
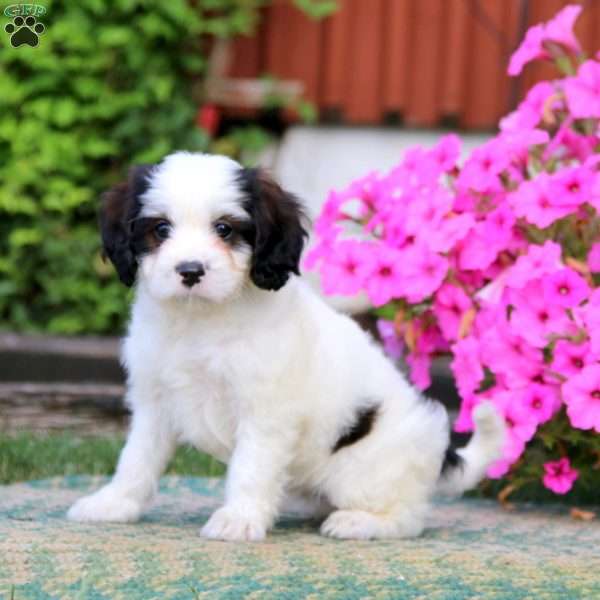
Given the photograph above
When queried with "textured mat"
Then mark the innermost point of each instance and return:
(472, 549)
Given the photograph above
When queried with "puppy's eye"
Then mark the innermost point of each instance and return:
(223, 230)
(162, 230)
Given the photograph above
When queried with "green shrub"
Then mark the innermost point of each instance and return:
(110, 84)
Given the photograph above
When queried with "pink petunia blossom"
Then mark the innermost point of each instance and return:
(520, 422)
(534, 318)
(577, 145)
(565, 288)
(521, 426)
(420, 364)
(450, 231)
(559, 476)
(481, 172)
(487, 239)
(530, 49)
(464, 420)
(583, 91)
(451, 303)
(571, 186)
(509, 354)
(343, 272)
(427, 211)
(593, 258)
(382, 275)
(538, 261)
(581, 394)
(447, 151)
(533, 201)
(423, 272)
(558, 30)
(530, 111)
(540, 401)
(392, 344)
(466, 365)
(570, 358)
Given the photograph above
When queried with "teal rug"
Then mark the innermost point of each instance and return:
(472, 549)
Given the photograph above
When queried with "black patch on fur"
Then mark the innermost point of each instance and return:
(143, 236)
(452, 460)
(361, 427)
(243, 231)
(119, 209)
(278, 233)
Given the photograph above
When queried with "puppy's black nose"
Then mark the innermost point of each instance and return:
(190, 272)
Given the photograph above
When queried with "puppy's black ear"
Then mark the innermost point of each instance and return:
(279, 231)
(120, 205)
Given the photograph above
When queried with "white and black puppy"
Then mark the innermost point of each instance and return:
(230, 353)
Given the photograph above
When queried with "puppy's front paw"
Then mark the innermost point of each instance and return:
(227, 524)
(105, 505)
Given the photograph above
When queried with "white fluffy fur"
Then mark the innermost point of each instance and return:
(267, 382)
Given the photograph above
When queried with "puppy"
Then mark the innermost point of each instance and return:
(228, 351)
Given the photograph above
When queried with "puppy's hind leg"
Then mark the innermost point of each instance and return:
(381, 484)
(398, 522)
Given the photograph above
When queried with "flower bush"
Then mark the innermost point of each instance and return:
(496, 262)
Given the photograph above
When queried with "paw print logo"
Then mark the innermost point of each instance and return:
(24, 31)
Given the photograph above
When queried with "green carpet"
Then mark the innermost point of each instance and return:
(472, 549)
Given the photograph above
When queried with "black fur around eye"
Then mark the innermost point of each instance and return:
(224, 230)
(162, 230)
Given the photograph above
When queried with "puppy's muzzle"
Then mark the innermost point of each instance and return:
(191, 272)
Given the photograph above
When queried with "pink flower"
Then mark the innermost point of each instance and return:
(532, 200)
(569, 358)
(487, 239)
(579, 146)
(581, 394)
(392, 344)
(464, 421)
(540, 401)
(558, 30)
(571, 186)
(383, 275)
(529, 113)
(529, 49)
(538, 261)
(593, 258)
(583, 91)
(520, 428)
(423, 272)
(343, 272)
(520, 422)
(565, 288)
(506, 353)
(449, 232)
(559, 476)
(466, 365)
(451, 303)
(419, 364)
(427, 211)
(534, 318)
(482, 170)
(447, 151)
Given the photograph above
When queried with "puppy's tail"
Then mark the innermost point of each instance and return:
(464, 468)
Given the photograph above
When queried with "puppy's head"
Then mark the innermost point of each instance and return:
(201, 226)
